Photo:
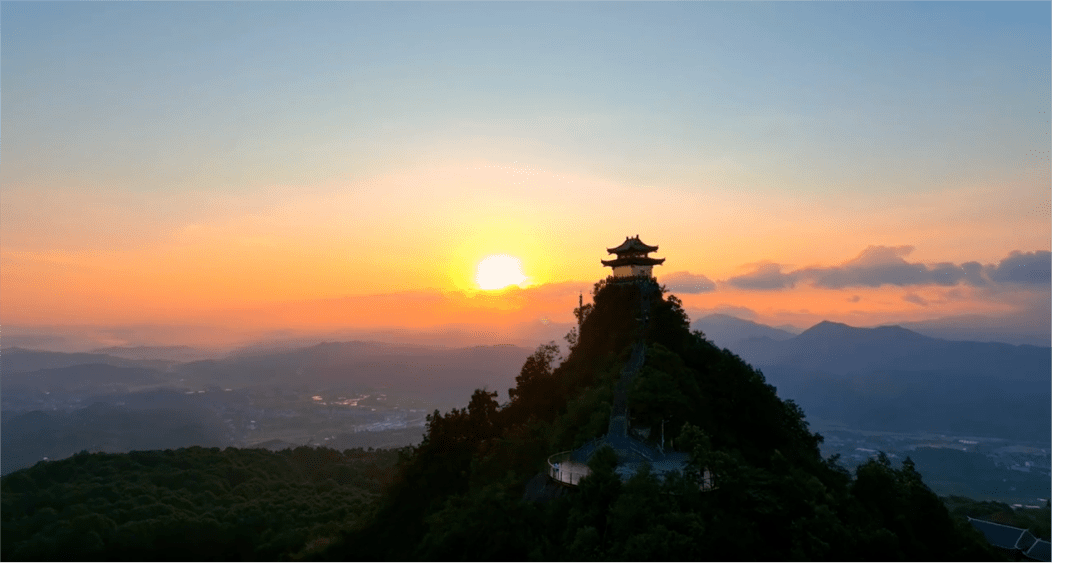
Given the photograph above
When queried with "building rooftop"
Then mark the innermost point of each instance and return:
(1039, 551)
(1005, 537)
(633, 261)
(632, 245)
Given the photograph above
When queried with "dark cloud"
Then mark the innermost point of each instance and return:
(854, 298)
(886, 265)
(1022, 267)
(914, 298)
(685, 282)
(767, 275)
(973, 273)
(954, 294)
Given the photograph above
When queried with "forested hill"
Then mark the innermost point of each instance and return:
(476, 488)
(191, 504)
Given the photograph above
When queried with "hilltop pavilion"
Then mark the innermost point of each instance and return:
(632, 265)
(632, 259)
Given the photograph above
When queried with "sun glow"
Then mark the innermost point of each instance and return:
(499, 271)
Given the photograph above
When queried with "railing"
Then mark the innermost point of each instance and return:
(567, 470)
(571, 472)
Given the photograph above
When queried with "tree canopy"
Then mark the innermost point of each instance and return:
(189, 504)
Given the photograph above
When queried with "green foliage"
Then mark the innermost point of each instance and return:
(463, 529)
(534, 396)
(188, 504)
(664, 392)
(917, 521)
(648, 524)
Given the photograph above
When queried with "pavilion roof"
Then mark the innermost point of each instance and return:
(633, 261)
(632, 245)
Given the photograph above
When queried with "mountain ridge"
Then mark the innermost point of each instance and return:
(842, 349)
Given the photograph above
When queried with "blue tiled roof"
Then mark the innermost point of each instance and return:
(1000, 535)
(1039, 551)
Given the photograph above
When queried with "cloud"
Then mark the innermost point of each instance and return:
(1022, 267)
(886, 265)
(685, 282)
(914, 298)
(766, 275)
(854, 298)
(954, 294)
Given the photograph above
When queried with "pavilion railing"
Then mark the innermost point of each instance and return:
(568, 471)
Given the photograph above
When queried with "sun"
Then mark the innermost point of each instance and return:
(498, 271)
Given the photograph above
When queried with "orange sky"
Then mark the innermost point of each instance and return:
(300, 244)
(287, 190)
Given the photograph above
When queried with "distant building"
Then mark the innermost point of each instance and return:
(1012, 540)
(632, 259)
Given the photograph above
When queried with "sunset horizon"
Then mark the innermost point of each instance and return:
(259, 168)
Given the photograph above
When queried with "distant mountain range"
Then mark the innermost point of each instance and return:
(167, 353)
(15, 359)
(443, 375)
(56, 404)
(840, 349)
(978, 328)
(29, 437)
(93, 378)
(892, 378)
(885, 378)
(728, 332)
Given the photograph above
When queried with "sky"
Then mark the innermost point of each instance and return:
(337, 166)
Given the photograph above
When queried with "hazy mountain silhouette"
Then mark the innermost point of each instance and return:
(167, 420)
(984, 329)
(444, 375)
(97, 377)
(841, 349)
(727, 331)
(168, 353)
(447, 375)
(22, 360)
(322, 347)
(892, 378)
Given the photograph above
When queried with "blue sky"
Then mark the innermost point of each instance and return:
(643, 92)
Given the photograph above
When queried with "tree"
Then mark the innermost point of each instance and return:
(535, 394)
(535, 375)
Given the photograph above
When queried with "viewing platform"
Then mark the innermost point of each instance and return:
(570, 467)
(563, 468)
